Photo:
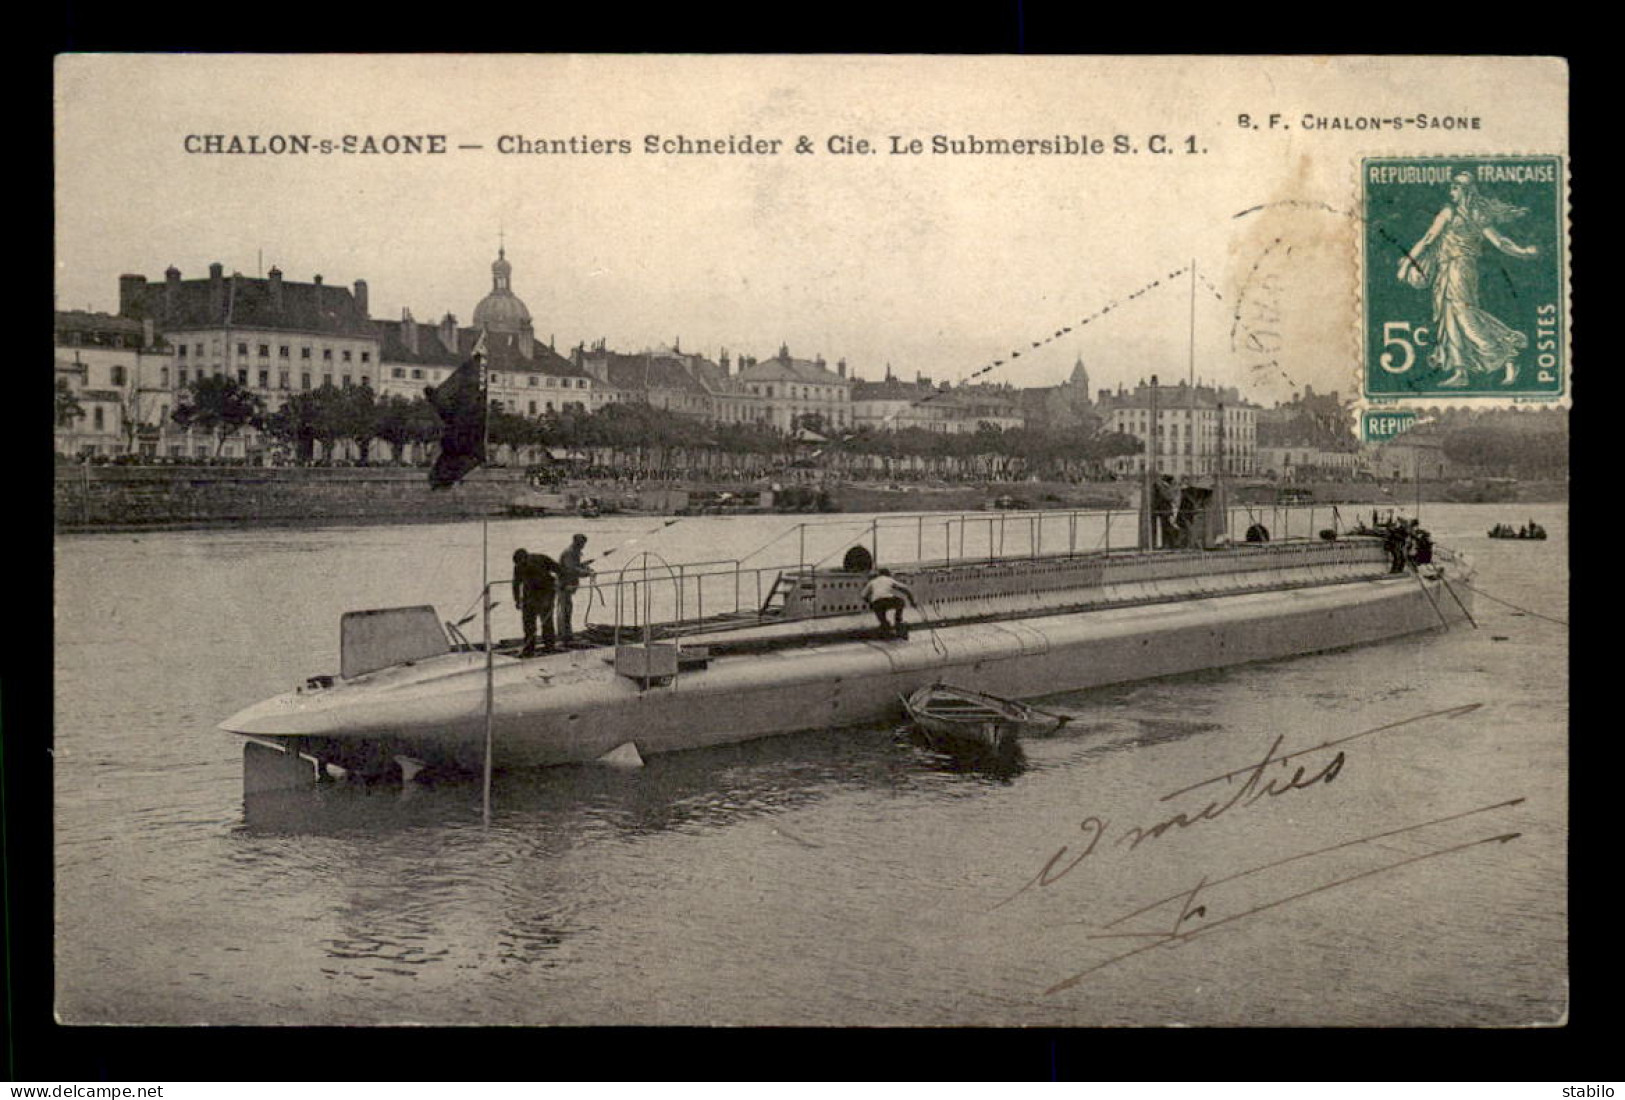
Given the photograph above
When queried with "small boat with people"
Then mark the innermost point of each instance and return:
(1530, 530)
(1007, 605)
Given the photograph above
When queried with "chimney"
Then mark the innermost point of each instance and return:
(409, 331)
(131, 289)
(784, 352)
(217, 291)
(148, 332)
(840, 368)
(723, 361)
(819, 362)
(448, 332)
(361, 296)
(276, 288)
(172, 289)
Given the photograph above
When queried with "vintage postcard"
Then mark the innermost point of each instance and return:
(811, 540)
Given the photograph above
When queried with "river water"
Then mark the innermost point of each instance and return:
(829, 878)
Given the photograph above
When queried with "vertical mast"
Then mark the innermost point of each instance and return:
(485, 587)
(1148, 529)
(1190, 424)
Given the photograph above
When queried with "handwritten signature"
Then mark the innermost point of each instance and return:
(1189, 910)
(1254, 787)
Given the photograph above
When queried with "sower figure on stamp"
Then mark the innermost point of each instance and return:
(1467, 338)
(885, 593)
(571, 570)
(535, 578)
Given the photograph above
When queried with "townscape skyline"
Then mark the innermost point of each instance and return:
(1057, 366)
(940, 265)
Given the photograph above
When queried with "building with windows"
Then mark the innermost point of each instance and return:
(112, 378)
(524, 375)
(1200, 429)
(783, 389)
(665, 378)
(1296, 462)
(275, 337)
(892, 405)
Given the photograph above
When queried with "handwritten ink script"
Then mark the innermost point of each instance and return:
(1212, 902)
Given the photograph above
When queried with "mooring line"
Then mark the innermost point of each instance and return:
(1513, 606)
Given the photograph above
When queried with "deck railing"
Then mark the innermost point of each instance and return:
(692, 597)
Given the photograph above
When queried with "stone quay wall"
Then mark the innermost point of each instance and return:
(91, 497)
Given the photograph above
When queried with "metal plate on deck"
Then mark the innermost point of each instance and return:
(375, 639)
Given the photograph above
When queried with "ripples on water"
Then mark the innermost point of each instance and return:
(834, 877)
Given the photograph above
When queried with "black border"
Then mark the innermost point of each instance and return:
(41, 1050)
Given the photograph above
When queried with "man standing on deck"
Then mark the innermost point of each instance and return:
(882, 595)
(534, 581)
(571, 570)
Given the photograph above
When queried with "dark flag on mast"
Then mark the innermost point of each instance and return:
(461, 405)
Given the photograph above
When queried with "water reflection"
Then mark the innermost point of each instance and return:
(698, 789)
(1001, 761)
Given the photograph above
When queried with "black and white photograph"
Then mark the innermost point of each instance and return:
(840, 541)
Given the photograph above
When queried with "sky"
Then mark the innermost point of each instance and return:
(933, 264)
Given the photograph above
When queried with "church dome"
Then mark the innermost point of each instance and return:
(501, 310)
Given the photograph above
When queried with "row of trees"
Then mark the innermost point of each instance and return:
(313, 423)
(1498, 452)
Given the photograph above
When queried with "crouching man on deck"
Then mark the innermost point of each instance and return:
(885, 593)
(535, 580)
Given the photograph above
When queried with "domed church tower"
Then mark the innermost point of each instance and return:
(501, 311)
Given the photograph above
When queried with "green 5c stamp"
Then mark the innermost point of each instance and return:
(1465, 277)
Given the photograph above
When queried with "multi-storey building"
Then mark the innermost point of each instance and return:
(785, 388)
(275, 337)
(666, 378)
(893, 405)
(523, 374)
(115, 371)
(1198, 428)
(1293, 461)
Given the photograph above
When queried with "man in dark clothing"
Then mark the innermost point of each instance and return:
(535, 579)
(571, 570)
(1394, 538)
(1422, 547)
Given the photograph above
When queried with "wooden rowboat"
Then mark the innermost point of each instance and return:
(952, 717)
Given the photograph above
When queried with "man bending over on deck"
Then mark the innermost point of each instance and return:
(882, 595)
(534, 582)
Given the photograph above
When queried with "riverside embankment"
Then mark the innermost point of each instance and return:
(99, 497)
(89, 498)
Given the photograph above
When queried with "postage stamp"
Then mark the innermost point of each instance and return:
(1465, 292)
